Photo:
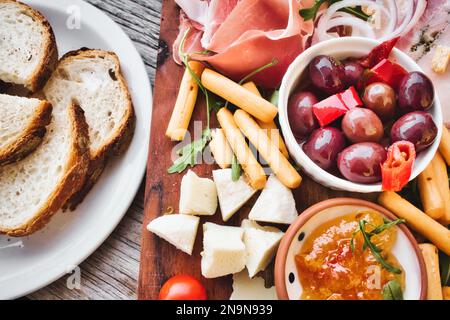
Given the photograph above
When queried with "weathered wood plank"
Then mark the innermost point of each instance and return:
(112, 271)
(159, 259)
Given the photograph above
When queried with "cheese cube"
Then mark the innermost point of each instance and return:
(441, 59)
(198, 196)
(223, 250)
(261, 244)
(220, 148)
(245, 288)
(177, 229)
(275, 204)
(232, 194)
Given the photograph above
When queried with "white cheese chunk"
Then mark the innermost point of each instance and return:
(245, 288)
(261, 244)
(232, 194)
(275, 204)
(177, 229)
(198, 196)
(223, 250)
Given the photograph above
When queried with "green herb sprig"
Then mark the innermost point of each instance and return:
(376, 251)
(392, 291)
(235, 169)
(311, 13)
(189, 153)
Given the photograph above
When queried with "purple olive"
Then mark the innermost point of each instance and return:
(380, 98)
(327, 74)
(300, 113)
(415, 92)
(353, 73)
(324, 145)
(362, 125)
(416, 127)
(361, 162)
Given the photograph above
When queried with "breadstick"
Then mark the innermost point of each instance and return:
(184, 105)
(418, 220)
(440, 173)
(446, 293)
(271, 128)
(280, 166)
(444, 145)
(431, 258)
(252, 169)
(239, 96)
(220, 148)
(431, 198)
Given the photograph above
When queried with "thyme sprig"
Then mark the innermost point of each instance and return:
(367, 235)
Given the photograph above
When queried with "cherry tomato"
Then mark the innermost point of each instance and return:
(182, 287)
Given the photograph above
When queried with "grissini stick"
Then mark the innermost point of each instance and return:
(280, 166)
(446, 293)
(444, 145)
(184, 105)
(417, 219)
(220, 148)
(271, 128)
(440, 172)
(239, 96)
(252, 169)
(431, 198)
(431, 258)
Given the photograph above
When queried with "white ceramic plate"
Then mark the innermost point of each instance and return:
(72, 236)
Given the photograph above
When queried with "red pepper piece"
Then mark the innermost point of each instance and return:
(350, 98)
(387, 72)
(335, 106)
(378, 53)
(328, 110)
(397, 168)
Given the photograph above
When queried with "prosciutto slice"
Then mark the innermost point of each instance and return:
(192, 42)
(245, 35)
(420, 43)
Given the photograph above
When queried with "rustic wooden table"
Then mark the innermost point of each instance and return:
(112, 271)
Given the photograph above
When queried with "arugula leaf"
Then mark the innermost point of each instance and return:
(189, 153)
(235, 169)
(376, 251)
(311, 13)
(392, 291)
(256, 71)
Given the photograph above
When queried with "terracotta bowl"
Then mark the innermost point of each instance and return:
(405, 248)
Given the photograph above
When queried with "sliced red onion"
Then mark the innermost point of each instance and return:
(420, 7)
(387, 8)
(324, 22)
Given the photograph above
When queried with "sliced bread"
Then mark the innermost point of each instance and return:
(33, 189)
(28, 48)
(22, 126)
(93, 78)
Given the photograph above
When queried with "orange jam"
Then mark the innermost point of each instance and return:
(329, 269)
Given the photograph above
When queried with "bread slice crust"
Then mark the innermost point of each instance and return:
(31, 137)
(116, 144)
(50, 57)
(72, 180)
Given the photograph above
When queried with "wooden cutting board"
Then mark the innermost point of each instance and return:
(159, 259)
